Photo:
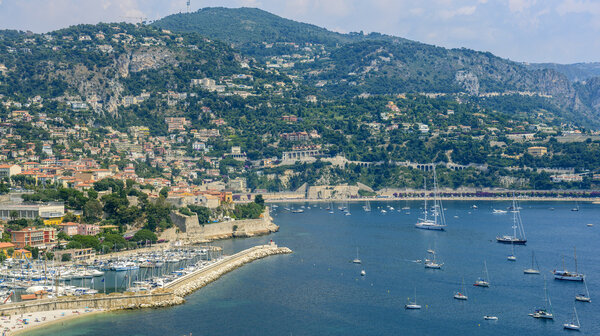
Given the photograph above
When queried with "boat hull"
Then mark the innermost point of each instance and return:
(559, 275)
(516, 241)
(434, 227)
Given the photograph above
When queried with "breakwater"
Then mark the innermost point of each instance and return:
(193, 281)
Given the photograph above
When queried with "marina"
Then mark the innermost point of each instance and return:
(318, 290)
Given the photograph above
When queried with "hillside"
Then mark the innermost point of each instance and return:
(354, 64)
(576, 72)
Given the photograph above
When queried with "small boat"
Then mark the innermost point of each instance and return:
(590, 225)
(576, 208)
(367, 206)
(474, 206)
(298, 211)
(512, 256)
(574, 324)
(483, 282)
(532, 270)
(566, 275)
(462, 295)
(544, 313)
(432, 263)
(363, 273)
(413, 305)
(584, 297)
(357, 259)
(490, 318)
(499, 211)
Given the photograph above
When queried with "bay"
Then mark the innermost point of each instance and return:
(317, 290)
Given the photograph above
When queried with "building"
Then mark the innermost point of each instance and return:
(537, 151)
(35, 237)
(4, 247)
(31, 211)
(76, 254)
(566, 178)
(9, 170)
(69, 228)
(176, 123)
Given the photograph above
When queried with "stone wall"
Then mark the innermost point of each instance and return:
(191, 231)
(113, 301)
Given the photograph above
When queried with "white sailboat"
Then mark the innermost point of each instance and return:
(584, 297)
(532, 270)
(462, 295)
(512, 256)
(574, 324)
(367, 206)
(566, 275)
(544, 313)
(432, 263)
(438, 222)
(414, 304)
(483, 282)
(357, 259)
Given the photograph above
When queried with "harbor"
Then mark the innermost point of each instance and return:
(165, 288)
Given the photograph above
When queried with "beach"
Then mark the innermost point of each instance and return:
(19, 324)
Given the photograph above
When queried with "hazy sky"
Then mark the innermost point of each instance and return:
(564, 31)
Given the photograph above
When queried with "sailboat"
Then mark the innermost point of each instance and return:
(544, 313)
(584, 297)
(330, 208)
(357, 260)
(576, 208)
(512, 256)
(517, 225)
(432, 263)
(574, 324)
(367, 206)
(566, 275)
(532, 270)
(439, 220)
(483, 282)
(413, 305)
(462, 295)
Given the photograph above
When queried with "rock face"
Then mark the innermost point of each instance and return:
(468, 81)
(190, 231)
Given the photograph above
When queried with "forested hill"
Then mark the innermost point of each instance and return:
(353, 64)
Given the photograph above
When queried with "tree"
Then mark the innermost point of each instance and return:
(35, 252)
(144, 235)
(92, 210)
(10, 251)
(14, 214)
(204, 213)
(259, 200)
(69, 217)
(164, 192)
(66, 257)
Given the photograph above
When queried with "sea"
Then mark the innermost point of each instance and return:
(317, 290)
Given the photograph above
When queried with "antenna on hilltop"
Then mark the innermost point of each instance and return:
(188, 5)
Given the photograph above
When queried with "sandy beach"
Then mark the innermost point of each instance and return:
(20, 324)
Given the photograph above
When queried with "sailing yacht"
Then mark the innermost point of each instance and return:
(483, 282)
(367, 206)
(439, 220)
(584, 297)
(544, 313)
(574, 324)
(432, 263)
(462, 295)
(357, 260)
(566, 275)
(517, 228)
(532, 270)
(413, 305)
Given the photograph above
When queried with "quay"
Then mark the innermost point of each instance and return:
(169, 295)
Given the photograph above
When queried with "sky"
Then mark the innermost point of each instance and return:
(561, 31)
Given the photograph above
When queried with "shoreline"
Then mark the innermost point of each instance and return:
(593, 200)
(74, 314)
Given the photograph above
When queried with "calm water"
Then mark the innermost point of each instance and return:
(318, 291)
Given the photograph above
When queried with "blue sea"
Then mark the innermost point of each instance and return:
(317, 290)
